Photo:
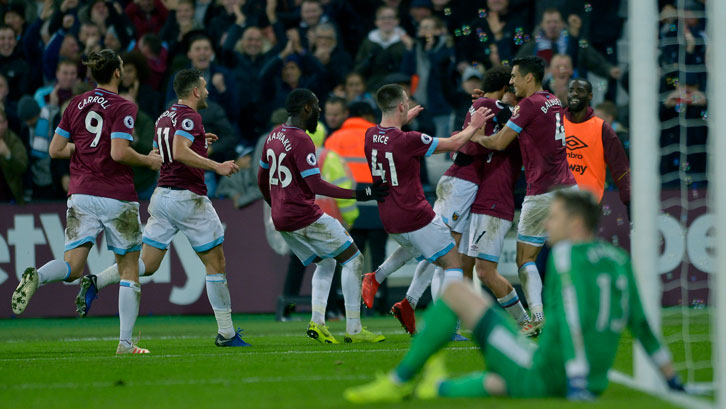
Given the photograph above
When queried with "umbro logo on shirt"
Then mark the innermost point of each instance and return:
(574, 143)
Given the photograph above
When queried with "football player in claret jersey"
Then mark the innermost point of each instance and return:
(394, 157)
(538, 123)
(592, 297)
(95, 133)
(456, 192)
(289, 178)
(180, 203)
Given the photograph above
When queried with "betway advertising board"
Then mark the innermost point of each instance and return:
(33, 234)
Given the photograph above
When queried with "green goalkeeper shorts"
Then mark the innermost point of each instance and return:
(510, 355)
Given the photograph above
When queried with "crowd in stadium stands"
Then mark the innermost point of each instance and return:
(253, 52)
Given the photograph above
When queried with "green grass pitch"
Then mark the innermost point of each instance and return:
(70, 363)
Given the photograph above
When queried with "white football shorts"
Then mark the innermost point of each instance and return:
(429, 242)
(535, 208)
(172, 211)
(486, 236)
(454, 198)
(324, 238)
(87, 216)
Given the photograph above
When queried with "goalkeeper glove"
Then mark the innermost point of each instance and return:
(376, 192)
(576, 390)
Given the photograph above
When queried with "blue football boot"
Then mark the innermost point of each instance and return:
(235, 341)
(86, 295)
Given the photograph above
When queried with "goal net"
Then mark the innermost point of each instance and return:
(678, 189)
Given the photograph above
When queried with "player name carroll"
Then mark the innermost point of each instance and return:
(103, 102)
(282, 138)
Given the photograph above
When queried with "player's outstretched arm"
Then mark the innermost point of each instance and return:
(60, 147)
(182, 152)
(498, 141)
(317, 185)
(456, 141)
(122, 152)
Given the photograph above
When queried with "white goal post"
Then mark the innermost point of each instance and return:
(645, 145)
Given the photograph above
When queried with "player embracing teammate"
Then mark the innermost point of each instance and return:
(394, 157)
(537, 123)
(464, 206)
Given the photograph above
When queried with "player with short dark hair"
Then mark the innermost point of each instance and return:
(180, 203)
(457, 193)
(95, 132)
(537, 123)
(394, 157)
(289, 178)
(592, 297)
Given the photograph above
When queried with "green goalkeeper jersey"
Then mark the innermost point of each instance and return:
(591, 297)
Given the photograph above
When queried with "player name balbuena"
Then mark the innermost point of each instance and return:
(103, 102)
(282, 138)
(551, 103)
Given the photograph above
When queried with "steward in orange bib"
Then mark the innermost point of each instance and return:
(592, 145)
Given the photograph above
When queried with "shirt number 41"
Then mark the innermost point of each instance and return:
(377, 168)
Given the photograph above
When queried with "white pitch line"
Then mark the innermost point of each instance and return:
(166, 337)
(172, 382)
(247, 352)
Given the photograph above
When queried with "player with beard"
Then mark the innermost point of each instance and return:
(593, 146)
(537, 124)
(289, 178)
(180, 203)
(95, 132)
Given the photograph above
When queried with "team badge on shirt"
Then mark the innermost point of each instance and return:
(187, 124)
(515, 111)
(312, 160)
(426, 139)
(129, 121)
(456, 216)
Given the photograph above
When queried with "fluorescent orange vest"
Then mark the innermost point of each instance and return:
(585, 154)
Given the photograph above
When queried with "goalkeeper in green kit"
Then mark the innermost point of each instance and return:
(592, 297)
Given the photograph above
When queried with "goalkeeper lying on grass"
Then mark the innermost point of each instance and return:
(591, 297)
